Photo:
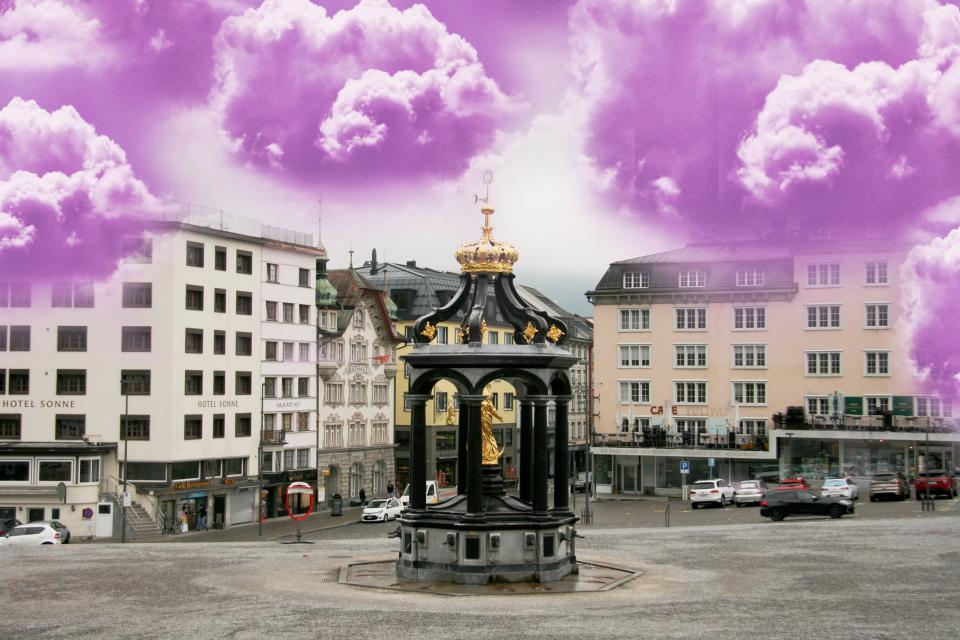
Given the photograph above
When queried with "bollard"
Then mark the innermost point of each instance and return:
(667, 513)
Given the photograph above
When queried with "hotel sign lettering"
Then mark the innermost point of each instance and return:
(215, 404)
(35, 404)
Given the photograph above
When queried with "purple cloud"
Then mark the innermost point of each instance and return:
(69, 201)
(372, 91)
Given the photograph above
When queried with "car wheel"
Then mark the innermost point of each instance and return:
(873, 498)
(775, 514)
(723, 501)
(739, 504)
(836, 511)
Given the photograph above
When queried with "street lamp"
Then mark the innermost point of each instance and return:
(125, 383)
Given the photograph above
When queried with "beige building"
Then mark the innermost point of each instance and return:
(699, 349)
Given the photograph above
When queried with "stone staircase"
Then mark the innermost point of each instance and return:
(141, 525)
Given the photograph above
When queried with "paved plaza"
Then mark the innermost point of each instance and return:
(817, 578)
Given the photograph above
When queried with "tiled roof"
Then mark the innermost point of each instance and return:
(714, 252)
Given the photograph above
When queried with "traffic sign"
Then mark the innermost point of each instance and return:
(685, 466)
(711, 462)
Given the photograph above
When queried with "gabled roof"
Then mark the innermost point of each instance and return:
(352, 288)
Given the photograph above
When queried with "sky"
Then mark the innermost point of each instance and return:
(614, 128)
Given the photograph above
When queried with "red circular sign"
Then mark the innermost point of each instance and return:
(299, 488)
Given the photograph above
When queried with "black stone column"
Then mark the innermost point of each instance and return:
(418, 450)
(541, 454)
(462, 435)
(474, 453)
(561, 455)
(526, 449)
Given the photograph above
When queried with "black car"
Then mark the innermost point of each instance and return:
(780, 504)
(6, 525)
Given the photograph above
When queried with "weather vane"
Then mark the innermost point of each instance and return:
(487, 179)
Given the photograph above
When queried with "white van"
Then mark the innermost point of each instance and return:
(434, 493)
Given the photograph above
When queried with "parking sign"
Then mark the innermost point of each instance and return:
(711, 462)
(684, 466)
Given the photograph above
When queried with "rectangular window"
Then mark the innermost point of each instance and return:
(634, 319)
(304, 277)
(507, 338)
(272, 272)
(690, 356)
(876, 316)
(304, 354)
(136, 381)
(193, 383)
(70, 427)
(89, 470)
(333, 393)
(192, 427)
(752, 427)
(194, 341)
(244, 262)
(3, 338)
(303, 387)
(219, 343)
(823, 316)
(823, 363)
(233, 466)
(137, 295)
(877, 405)
(244, 343)
(83, 294)
(244, 303)
(750, 393)
(493, 338)
(934, 407)
(219, 422)
(220, 258)
(71, 382)
(380, 393)
(303, 421)
(219, 383)
(194, 298)
(634, 355)
(634, 392)
(9, 430)
(749, 278)
(242, 425)
(137, 427)
(508, 401)
(690, 392)
(132, 339)
(288, 458)
(270, 387)
(693, 278)
(876, 363)
(749, 318)
(271, 311)
(690, 319)
(440, 402)
(443, 335)
(358, 319)
(288, 351)
(823, 274)
(19, 382)
(20, 294)
(818, 406)
(4, 294)
(304, 314)
(61, 295)
(876, 272)
(243, 385)
(54, 471)
(303, 455)
(749, 356)
(20, 338)
(636, 280)
(68, 339)
(185, 470)
(271, 350)
(194, 254)
(219, 300)
(287, 312)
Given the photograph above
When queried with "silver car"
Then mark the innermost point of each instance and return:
(749, 492)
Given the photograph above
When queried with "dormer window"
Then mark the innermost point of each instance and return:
(636, 280)
(749, 278)
(693, 278)
(358, 319)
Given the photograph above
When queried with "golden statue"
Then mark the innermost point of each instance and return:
(491, 452)
(451, 415)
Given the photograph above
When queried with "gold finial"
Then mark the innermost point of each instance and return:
(429, 332)
(483, 330)
(555, 333)
(486, 255)
(529, 333)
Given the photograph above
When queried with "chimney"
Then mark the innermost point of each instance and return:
(411, 263)
(373, 262)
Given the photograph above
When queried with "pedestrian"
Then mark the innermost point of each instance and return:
(363, 497)
(202, 517)
(390, 490)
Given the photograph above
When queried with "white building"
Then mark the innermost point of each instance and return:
(179, 323)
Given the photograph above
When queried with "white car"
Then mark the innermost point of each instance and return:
(710, 492)
(749, 492)
(35, 533)
(839, 488)
(382, 510)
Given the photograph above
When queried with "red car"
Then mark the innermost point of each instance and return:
(940, 484)
(793, 484)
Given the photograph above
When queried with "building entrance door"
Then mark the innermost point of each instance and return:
(219, 511)
(34, 514)
(629, 482)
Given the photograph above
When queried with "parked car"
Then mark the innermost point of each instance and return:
(62, 528)
(710, 491)
(941, 484)
(6, 525)
(583, 483)
(889, 484)
(435, 494)
(839, 488)
(749, 492)
(382, 510)
(32, 534)
(780, 504)
(797, 483)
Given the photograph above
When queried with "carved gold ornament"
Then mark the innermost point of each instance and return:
(487, 254)
(529, 333)
(555, 333)
(483, 330)
(462, 335)
(429, 332)
(490, 451)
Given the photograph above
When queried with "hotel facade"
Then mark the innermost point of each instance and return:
(152, 377)
(748, 360)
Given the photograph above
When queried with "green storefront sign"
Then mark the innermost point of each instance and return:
(903, 405)
(853, 405)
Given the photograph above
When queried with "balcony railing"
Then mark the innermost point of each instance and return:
(275, 436)
(902, 424)
(665, 439)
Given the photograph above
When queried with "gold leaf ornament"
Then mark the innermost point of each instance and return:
(555, 333)
(529, 333)
(429, 332)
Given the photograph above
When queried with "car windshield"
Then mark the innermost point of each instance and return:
(883, 477)
(704, 484)
(749, 485)
(377, 504)
(835, 483)
(930, 474)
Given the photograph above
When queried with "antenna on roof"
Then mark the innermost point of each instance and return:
(351, 256)
(320, 220)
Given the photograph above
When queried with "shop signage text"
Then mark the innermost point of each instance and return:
(211, 404)
(33, 404)
(192, 484)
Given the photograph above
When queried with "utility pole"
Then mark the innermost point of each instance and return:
(263, 391)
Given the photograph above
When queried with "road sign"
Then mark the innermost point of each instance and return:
(711, 462)
(684, 466)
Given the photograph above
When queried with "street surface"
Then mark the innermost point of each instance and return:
(861, 577)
